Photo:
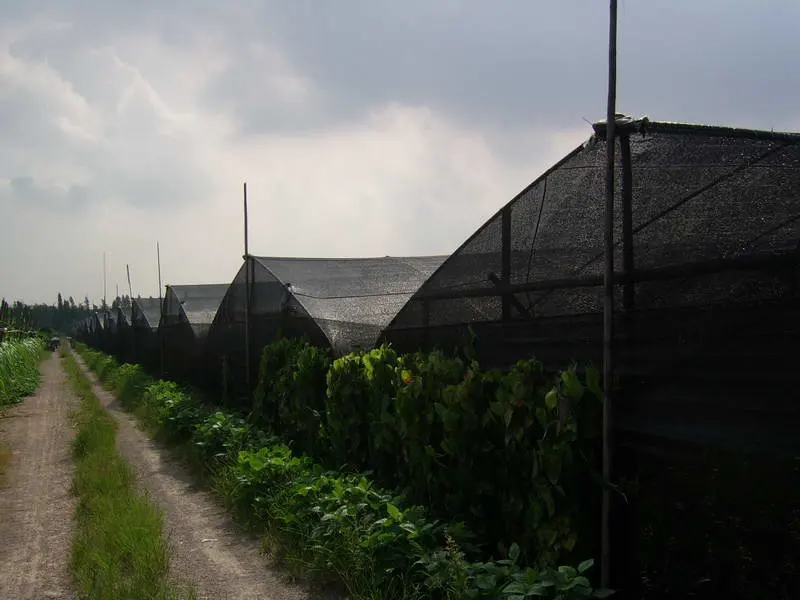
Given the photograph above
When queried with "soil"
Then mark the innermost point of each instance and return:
(36, 505)
(208, 550)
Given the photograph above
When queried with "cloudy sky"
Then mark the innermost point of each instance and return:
(363, 127)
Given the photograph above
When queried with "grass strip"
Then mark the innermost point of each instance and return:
(118, 551)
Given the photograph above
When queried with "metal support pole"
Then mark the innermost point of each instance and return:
(608, 293)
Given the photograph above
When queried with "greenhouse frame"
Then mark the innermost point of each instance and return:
(706, 232)
(338, 303)
(145, 316)
(187, 314)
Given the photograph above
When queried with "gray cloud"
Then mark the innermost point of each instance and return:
(363, 127)
(29, 193)
(519, 63)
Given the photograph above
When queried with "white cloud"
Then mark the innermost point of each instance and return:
(131, 155)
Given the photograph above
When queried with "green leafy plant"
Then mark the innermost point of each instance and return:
(466, 426)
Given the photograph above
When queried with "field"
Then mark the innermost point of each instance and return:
(19, 375)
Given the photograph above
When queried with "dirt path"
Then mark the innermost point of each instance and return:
(36, 505)
(208, 550)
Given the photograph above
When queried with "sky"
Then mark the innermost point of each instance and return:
(362, 127)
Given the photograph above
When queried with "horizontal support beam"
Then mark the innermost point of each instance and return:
(657, 274)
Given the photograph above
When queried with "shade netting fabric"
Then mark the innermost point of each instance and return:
(340, 303)
(706, 233)
(146, 313)
(698, 194)
(145, 316)
(195, 305)
(188, 312)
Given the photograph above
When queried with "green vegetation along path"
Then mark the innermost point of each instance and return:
(208, 550)
(36, 505)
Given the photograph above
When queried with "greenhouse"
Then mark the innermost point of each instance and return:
(188, 312)
(145, 316)
(706, 232)
(337, 303)
(122, 334)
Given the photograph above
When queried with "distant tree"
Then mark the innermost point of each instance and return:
(61, 302)
(86, 304)
(72, 303)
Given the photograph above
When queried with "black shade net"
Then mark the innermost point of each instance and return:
(343, 304)
(187, 316)
(146, 313)
(706, 232)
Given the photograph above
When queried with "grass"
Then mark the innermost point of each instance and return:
(19, 376)
(19, 369)
(118, 551)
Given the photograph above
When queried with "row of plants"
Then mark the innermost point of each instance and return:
(337, 525)
(513, 453)
(19, 369)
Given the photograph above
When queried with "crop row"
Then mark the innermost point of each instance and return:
(336, 523)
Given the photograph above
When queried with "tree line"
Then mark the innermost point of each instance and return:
(60, 316)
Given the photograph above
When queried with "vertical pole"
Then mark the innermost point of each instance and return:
(132, 336)
(104, 280)
(246, 296)
(608, 291)
(158, 258)
(130, 289)
(160, 312)
(505, 268)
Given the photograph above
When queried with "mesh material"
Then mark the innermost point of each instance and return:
(715, 223)
(123, 316)
(146, 312)
(351, 300)
(145, 315)
(188, 313)
(697, 195)
(339, 303)
(195, 304)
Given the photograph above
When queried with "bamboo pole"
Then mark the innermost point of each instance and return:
(247, 295)
(608, 296)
